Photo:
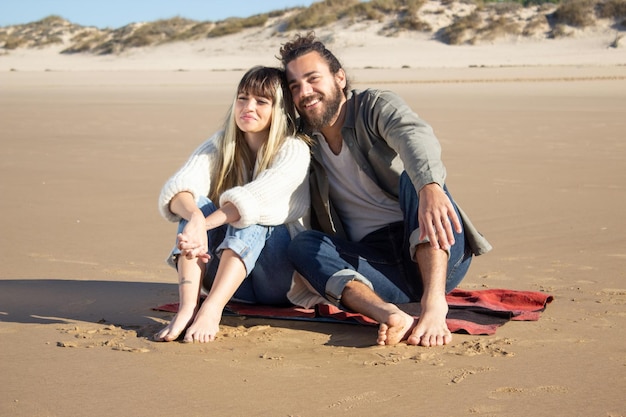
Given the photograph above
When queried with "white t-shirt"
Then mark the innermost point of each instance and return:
(359, 201)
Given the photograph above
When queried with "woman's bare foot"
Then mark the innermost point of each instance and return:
(431, 329)
(396, 328)
(178, 324)
(205, 326)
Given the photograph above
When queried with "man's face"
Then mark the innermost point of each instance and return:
(317, 94)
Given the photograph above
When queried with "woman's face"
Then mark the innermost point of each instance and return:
(253, 113)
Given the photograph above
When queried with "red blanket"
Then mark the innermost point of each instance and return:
(472, 312)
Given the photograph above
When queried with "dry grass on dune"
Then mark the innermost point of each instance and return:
(448, 21)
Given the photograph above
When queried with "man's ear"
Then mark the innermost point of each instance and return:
(340, 77)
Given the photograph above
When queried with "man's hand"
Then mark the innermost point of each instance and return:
(436, 217)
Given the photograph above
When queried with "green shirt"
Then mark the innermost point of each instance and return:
(386, 138)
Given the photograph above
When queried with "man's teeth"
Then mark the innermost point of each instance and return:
(311, 103)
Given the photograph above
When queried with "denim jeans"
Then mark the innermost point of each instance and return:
(382, 260)
(263, 250)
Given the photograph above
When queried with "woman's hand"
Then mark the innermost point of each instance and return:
(193, 242)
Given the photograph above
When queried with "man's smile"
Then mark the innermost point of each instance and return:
(311, 103)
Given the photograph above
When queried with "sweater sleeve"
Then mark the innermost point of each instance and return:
(279, 194)
(193, 177)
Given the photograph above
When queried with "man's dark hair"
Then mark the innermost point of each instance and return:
(302, 45)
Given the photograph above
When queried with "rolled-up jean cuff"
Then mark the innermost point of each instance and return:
(338, 281)
(414, 241)
(240, 248)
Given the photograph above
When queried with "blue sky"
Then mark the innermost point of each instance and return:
(117, 13)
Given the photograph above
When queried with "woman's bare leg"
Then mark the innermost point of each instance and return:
(190, 273)
(230, 274)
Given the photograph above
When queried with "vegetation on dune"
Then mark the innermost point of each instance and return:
(575, 13)
(41, 33)
(236, 25)
(456, 33)
(320, 14)
(613, 9)
(404, 14)
(472, 21)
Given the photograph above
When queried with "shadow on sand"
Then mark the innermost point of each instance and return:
(129, 305)
(58, 301)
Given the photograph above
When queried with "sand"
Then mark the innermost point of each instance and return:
(535, 154)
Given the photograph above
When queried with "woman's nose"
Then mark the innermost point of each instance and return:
(250, 105)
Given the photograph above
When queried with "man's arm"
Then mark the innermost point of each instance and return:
(419, 149)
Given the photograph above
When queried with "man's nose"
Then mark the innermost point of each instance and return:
(306, 89)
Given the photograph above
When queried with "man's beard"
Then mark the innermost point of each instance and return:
(331, 108)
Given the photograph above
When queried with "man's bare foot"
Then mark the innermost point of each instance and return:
(431, 329)
(396, 328)
(205, 326)
(178, 324)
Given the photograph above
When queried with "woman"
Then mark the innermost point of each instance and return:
(239, 200)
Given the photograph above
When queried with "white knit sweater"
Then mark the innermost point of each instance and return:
(278, 195)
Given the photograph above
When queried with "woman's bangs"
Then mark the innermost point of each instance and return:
(259, 84)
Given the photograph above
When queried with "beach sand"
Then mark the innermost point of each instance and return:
(535, 154)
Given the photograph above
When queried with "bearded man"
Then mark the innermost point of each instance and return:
(385, 228)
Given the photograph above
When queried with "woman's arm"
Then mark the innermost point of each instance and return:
(193, 242)
(228, 213)
(278, 195)
(193, 177)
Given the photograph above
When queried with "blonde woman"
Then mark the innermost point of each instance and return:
(239, 200)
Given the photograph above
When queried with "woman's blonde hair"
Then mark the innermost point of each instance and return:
(236, 162)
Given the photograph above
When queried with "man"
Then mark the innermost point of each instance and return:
(379, 203)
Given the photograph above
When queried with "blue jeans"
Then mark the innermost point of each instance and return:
(263, 250)
(382, 260)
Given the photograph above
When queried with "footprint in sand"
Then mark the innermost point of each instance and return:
(615, 296)
(530, 391)
(459, 375)
(108, 336)
(382, 356)
(493, 347)
(260, 333)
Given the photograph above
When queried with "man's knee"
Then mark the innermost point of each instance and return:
(302, 244)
